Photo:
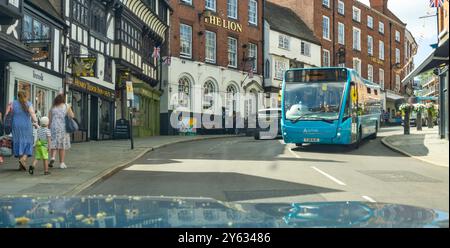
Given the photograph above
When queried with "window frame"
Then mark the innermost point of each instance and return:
(214, 59)
(182, 54)
(325, 51)
(341, 3)
(328, 27)
(341, 41)
(358, 70)
(370, 72)
(236, 9)
(255, 13)
(370, 23)
(255, 58)
(305, 48)
(381, 52)
(381, 78)
(356, 10)
(210, 8)
(381, 27)
(370, 45)
(284, 42)
(235, 57)
(358, 48)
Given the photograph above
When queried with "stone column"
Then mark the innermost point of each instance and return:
(419, 120)
(406, 127)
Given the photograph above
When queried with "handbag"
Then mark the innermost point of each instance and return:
(5, 146)
(7, 125)
(71, 124)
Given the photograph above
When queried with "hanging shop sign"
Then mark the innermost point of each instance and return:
(227, 24)
(93, 89)
(84, 67)
(41, 51)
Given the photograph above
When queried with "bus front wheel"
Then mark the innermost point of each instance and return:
(374, 136)
(358, 139)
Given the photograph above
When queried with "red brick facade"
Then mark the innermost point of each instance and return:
(195, 14)
(379, 13)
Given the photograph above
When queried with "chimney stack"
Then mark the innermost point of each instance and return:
(380, 5)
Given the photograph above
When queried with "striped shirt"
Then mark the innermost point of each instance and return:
(43, 133)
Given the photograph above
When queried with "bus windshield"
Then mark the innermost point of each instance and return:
(314, 94)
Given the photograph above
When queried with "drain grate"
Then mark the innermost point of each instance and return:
(398, 176)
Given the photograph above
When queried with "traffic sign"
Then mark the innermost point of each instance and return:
(130, 91)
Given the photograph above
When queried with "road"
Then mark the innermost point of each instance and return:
(246, 170)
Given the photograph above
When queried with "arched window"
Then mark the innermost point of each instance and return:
(267, 69)
(208, 90)
(231, 89)
(184, 92)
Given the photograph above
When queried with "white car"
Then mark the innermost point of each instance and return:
(265, 119)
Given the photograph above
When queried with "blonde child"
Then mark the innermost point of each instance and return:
(42, 146)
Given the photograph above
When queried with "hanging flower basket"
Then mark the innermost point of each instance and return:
(406, 107)
(431, 108)
(419, 107)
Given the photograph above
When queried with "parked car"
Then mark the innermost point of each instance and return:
(264, 121)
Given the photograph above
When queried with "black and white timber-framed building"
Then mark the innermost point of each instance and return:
(120, 36)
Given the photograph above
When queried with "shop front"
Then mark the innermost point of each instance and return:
(11, 49)
(146, 105)
(41, 87)
(391, 101)
(94, 109)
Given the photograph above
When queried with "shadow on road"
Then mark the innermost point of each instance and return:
(367, 148)
(220, 186)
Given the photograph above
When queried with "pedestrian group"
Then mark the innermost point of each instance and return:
(22, 134)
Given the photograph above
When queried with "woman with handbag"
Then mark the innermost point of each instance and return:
(23, 119)
(60, 140)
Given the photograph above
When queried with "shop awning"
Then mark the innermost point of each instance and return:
(393, 96)
(435, 59)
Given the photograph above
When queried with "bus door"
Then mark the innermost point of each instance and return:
(353, 102)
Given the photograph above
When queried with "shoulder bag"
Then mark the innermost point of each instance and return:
(71, 124)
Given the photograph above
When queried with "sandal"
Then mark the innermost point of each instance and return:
(52, 161)
(47, 173)
(31, 170)
(22, 166)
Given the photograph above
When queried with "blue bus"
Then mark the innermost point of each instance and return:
(332, 105)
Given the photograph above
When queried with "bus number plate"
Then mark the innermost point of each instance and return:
(311, 140)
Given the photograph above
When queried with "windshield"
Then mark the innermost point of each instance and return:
(313, 100)
(314, 94)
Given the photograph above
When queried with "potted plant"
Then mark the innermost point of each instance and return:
(431, 113)
(406, 109)
(418, 109)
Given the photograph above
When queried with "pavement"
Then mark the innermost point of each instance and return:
(423, 145)
(87, 163)
(244, 170)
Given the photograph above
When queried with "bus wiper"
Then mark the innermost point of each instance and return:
(314, 118)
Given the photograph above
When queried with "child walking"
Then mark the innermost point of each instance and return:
(42, 146)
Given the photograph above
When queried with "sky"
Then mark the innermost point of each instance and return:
(424, 30)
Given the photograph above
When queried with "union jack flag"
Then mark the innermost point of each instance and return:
(436, 3)
(167, 60)
(156, 52)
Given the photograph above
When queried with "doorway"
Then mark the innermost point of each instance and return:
(94, 119)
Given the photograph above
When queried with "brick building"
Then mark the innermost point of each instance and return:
(216, 48)
(370, 39)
